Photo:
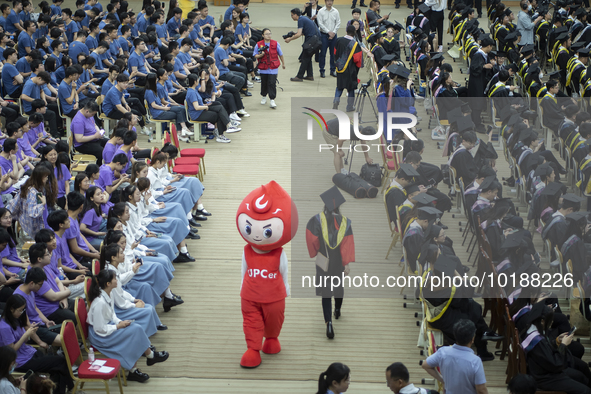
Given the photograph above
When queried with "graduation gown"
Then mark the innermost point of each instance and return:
(378, 53)
(500, 96)
(561, 61)
(479, 77)
(446, 101)
(463, 162)
(556, 230)
(413, 241)
(553, 115)
(395, 197)
(392, 47)
(342, 254)
(351, 51)
(574, 249)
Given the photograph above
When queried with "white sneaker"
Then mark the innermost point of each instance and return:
(235, 117)
(184, 139)
(264, 100)
(222, 139)
(273, 105)
(440, 48)
(233, 129)
(243, 113)
(249, 84)
(257, 79)
(343, 171)
(210, 126)
(187, 132)
(146, 130)
(555, 263)
(235, 124)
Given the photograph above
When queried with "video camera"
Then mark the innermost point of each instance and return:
(288, 35)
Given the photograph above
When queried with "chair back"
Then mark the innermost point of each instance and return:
(174, 137)
(81, 317)
(87, 282)
(390, 221)
(96, 267)
(70, 343)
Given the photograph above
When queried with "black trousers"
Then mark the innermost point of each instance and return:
(56, 366)
(179, 97)
(228, 87)
(137, 93)
(235, 78)
(10, 112)
(61, 202)
(216, 114)
(94, 148)
(116, 114)
(305, 65)
(142, 154)
(238, 68)
(436, 20)
(327, 307)
(269, 85)
(443, 201)
(17, 93)
(63, 314)
(5, 293)
(227, 101)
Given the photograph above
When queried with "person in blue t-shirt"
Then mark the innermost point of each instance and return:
(222, 61)
(124, 39)
(174, 23)
(206, 22)
(158, 109)
(98, 54)
(309, 30)
(26, 43)
(67, 93)
(25, 14)
(13, 22)
(4, 12)
(56, 9)
(115, 105)
(32, 90)
(137, 62)
(12, 80)
(77, 47)
(69, 24)
(92, 39)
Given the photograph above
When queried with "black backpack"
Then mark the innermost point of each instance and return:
(372, 173)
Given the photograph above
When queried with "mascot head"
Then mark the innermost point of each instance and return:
(267, 218)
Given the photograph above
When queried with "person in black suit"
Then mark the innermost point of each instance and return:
(311, 9)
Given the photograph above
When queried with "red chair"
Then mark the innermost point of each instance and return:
(190, 160)
(96, 267)
(85, 375)
(184, 169)
(87, 282)
(188, 152)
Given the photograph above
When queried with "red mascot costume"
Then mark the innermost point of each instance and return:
(267, 219)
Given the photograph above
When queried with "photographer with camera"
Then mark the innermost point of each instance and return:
(311, 45)
(268, 53)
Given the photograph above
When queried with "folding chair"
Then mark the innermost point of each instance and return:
(106, 120)
(197, 155)
(454, 187)
(158, 122)
(198, 125)
(67, 119)
(184, 169)
(73, 355)
(395, 229)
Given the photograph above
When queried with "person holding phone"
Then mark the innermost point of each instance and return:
(15, 331)
(8, 384)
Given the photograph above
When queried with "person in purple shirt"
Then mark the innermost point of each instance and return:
(59, 221)
(61, 172)
(37, 135)
(23, 140)
(88, 138)
(113, 144)
(9, 279)
(9, 161)
(10, 258)
(77, 243)
(14, 131)
(129, 141)
(111, 176)
(92, 217)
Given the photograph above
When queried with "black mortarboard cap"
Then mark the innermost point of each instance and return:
(508, 11)
(437, 57)
(560, 30)
(536, 159)
(412, 189)
(543, 170)
(536, 312)
(553, 189)
(581, 11)
(578, 216)
(407, 170)
(577, 45)
(534, 68)
(400, 71)
(513, 240)
(486, 183)
(506, 115)
(424, 198)
(464, 123)
(446, 265)
(515, 118)
(527, 49)
(398, 26)
(424, 8)
(501, 54)
(512, 36)
(513, 67)
(388, 58)
(428, 213)
(554, 75)
(333, 198)
(562, 37)
(492, 54)
(527, 133)
(573, 199)
(433, 231)
(417, 31)
(583, 52)
(503, 202)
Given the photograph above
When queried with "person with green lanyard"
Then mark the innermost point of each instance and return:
(329, 238)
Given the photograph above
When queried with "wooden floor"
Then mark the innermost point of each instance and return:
(205, 337)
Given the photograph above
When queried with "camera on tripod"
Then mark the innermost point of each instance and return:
(288, 35)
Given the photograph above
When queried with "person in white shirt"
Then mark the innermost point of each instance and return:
(122, 340)
(397, 380)
(329, 22)
(436, 18)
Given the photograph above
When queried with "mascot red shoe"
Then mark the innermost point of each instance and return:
(267, 219)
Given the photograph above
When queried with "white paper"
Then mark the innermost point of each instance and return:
(105, 369)
(100, 363)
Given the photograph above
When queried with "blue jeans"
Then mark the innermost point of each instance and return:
(350, 97)
(330, 45)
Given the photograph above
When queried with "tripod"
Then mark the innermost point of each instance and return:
(359, 103)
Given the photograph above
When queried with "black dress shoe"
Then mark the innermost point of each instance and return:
(322, 74)
(177, 298)
(329, 330)
(200, 217)
(159, 357)
(488, 356)
(194, 223)
(168, 303)
(333, 74)
(491, 336)
(137, 376)
(362, 5)
(337, 313)
(397, 6)
(181, 258)
(192, 235)
(153, 348)
(202, 212)
(193, 231)
(162, 327)
(191, 258)
(246, 93)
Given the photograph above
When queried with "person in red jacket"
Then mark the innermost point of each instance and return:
(268, 53)
(267, 219)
